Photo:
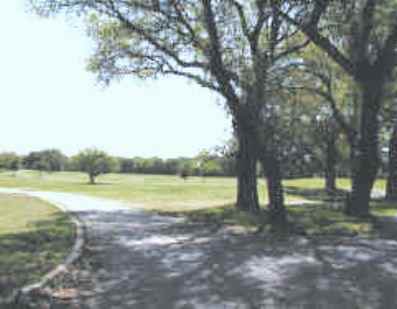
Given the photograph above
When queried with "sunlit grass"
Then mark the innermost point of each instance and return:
(204, 198)
(34, 237)
(159, 192)
(316, 218)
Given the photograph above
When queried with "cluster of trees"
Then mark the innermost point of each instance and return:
(92, 161)
(9, 161)
(204, 164)
(46, 160)
(96, 162)
(286, 70)
(299, 162)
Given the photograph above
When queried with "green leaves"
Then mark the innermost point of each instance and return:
(95, 162)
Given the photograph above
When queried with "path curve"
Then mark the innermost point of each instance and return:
(148, 261)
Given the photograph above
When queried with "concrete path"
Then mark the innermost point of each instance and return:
(139, 260)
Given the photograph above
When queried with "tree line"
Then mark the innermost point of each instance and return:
(53, 160)
(285, 69)
(221, 162)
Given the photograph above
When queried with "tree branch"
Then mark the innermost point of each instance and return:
(311, 31)
(217, 66)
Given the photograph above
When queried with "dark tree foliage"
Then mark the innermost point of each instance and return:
(361, 37)
(50, 160)
(10, 161)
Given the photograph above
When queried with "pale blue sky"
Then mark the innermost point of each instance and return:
(47, 98)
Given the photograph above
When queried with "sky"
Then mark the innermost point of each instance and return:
(49, 100)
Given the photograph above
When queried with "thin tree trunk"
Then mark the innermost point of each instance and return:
(330, 165)
(277, 210)
(247, 189)
(391, 187)
(366, 162)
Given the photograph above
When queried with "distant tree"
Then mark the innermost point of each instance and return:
(9, 161)
(127, 165)
(184, 174)
(185, 170)
(208, 164)
(171, 166)
(50, 160)
(212, 167)
(95, 162)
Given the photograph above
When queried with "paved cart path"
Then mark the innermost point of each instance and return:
(147, 261)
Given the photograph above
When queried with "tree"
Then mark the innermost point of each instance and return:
(208, 164)
(50, 160)
(329, 131)
(230, 47)
(10, 161)
(391, 126)
(127, 165)
(325, 82)
(185, 171)
(388, 138)
(95, 162)
(391, 184)
(361, 37)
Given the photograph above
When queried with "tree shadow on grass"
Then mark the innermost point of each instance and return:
(93, 185)
(338, 195)
(26, 256)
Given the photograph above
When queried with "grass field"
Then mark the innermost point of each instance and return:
(34, 237)
(159, 192)
(209, 200)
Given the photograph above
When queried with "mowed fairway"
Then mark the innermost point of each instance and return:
(148, 191)
(160, 192)
(34, 237)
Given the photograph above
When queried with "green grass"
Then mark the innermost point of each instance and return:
(158, 192)
(312, 219)
(316, 218)
(318, 183)
(219, 216)
(34, 237)
(208, 199)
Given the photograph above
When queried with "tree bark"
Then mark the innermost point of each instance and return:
(366, 159)
(330, 164)
(391, 186)
(278, 214)
(247, 189)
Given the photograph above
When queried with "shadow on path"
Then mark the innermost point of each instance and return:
(141, 260)
(144, 261)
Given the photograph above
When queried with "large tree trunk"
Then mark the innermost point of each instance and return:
(247, 189)
(366, 154)
(391, 187)
(278, 213)
(330, 164)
